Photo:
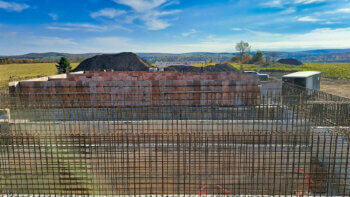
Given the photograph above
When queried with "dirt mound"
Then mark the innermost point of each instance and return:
(216, 68)
(118, 62)
(290, 61)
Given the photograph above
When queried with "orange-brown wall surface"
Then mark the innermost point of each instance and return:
(108, 89)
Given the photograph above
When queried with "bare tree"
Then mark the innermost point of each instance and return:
(242, 48)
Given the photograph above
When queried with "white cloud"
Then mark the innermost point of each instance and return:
(154, 23)
(288, 11)
(78, 27)
(150, 12)
(109, 44)
(262, 34)
(341, 10)
(344, 10)
(108, 12)
(142, 5)
(48, 41)
(192, 31)
(330, 23)
(103, 45)
(308, 19)
(237, 29)
(174, 2)
(53, 16)
(283, 3)
(11, 6)
(27, 42)
(316, 39)
(86, 27)
(273, 3)
(308, 1)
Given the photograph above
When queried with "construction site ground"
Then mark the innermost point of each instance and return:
(339, 87)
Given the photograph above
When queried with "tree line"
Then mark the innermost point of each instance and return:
(62, 65)
(192, 57)
(243, 55)
(18, 61)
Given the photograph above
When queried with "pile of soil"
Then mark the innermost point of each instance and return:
(290, 61)
(217, 68)
(119, 62)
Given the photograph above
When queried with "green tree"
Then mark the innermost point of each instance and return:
(242, 48)
(4, 61)
(258, 58)
(234, 59)
(63, 65)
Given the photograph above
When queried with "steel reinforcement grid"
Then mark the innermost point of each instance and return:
(288, 141)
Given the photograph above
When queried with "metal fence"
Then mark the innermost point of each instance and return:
(281, 143)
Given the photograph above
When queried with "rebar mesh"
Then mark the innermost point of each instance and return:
(269, 141)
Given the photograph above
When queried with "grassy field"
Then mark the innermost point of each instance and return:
(329, 70)
(26, 71)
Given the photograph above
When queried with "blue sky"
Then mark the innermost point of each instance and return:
(81, 26)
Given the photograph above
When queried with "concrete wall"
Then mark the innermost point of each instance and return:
(155, 113)
(163, 127)
(332, 151)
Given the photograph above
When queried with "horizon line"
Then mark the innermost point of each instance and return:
(174, 53)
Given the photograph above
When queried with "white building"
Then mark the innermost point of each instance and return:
(306, 79)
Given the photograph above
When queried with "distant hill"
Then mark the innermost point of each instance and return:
(327, 56)
(155, 55)
(319, 56)
(53, 56)
(215, 57)
(322, 55)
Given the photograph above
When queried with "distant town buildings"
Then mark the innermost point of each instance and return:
(167, 64)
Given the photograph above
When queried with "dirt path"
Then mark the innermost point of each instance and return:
(340, 87)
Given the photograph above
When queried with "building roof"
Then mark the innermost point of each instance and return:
(302, 74)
